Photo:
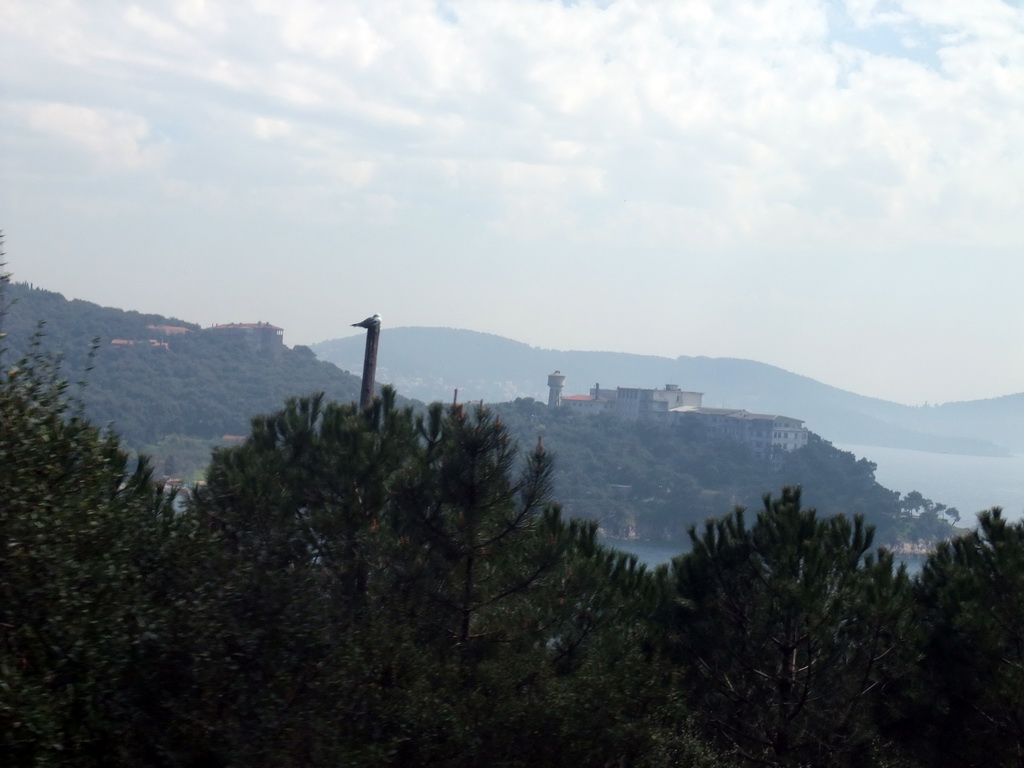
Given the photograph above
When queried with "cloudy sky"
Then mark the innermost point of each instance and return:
(835, 187)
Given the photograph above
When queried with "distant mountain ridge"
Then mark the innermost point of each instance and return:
(430, 363)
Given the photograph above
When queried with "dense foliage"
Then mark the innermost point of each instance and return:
(785, 629)
(176, 401)
(350, 588)
(652, 481)
(85, 541)
(388, 588)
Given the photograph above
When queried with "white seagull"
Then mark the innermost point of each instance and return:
(370, 322)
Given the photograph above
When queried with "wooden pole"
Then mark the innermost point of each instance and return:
(369, 366)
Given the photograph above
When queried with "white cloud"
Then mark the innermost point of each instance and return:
(354, 173)
(59, 28)
(748, 136)
(201, 14)
(117, 140)
(268, 128)
(742, 109)
(164, 32)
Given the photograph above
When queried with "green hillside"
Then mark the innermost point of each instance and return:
(175, 401)
(651, 481)
(177, 395)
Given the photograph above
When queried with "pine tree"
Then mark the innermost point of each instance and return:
(967, 704)
(782, 630)
(481, 532)
(84, 532)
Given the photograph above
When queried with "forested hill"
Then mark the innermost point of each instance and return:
(428, 363)
(177, 402)
(199, 387)
(652, 481)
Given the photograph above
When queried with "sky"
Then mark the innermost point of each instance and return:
(835, 187)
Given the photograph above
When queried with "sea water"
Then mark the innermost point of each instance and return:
(969, 483)
(658, 554)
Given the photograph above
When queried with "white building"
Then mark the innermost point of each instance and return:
(635, 403)
(587, 403)
(768, 435)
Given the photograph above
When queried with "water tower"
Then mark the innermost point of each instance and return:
(555, 383)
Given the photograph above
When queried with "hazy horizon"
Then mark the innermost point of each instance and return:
(832, 187)
(542, 390)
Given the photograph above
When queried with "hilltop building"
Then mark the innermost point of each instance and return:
(262, 337)
(163, 331)
(598, 401)
(555, 383)
(766, 434)
(122, 343)
(636, 403)
(169, 330)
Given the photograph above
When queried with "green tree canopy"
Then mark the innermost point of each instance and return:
(785, 630)
(84, 536)
(967, 703)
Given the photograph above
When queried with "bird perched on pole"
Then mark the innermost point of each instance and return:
(370, 322)
(372, 326)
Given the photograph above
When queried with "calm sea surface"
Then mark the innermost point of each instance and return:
(969, 483)
(656, 554)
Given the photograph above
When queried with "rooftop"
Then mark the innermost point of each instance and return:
(244, 325)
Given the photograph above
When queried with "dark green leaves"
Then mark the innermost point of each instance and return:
(781, 629)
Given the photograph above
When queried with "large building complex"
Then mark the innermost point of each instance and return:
(636, 403)
(262, 337)
(766, 434)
